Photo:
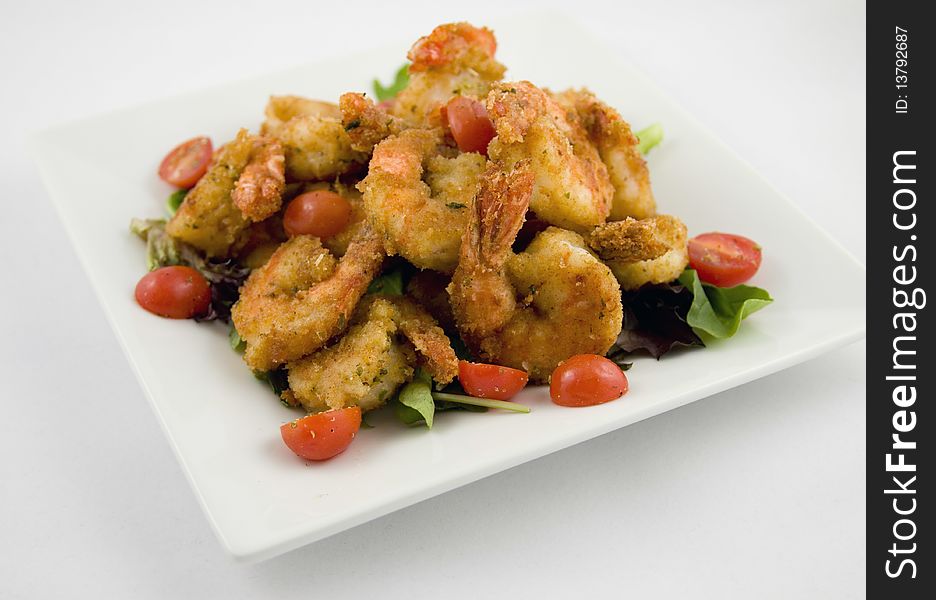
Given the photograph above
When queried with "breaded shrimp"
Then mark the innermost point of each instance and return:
(208, 218)
(258, 192)
(571, 189)
(619, 151)
(316, 145)
(388, 337)
(651, 250)
(302, 297)
(366, 123)
(416, 195)
(534, 309)
(455, 59)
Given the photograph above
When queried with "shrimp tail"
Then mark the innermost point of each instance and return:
(432, 345)
(500, 210)
(482, 299)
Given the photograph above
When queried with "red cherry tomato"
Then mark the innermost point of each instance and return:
(724, 259)
(175, 292)
(186, 163)
(491, 381)
(470, 124)
(586, 379)
(320, 213)
(323, 435)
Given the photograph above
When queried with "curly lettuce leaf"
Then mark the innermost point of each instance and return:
(619, 356)
(400, 80)
(717, 311)
(163, 250)
(655, 320)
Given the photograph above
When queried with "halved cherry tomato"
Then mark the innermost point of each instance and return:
(322, 435)
(585, 380)
(724, 259)
(186, 163)
(470, 124)
(491, 381)
(320, 213)
(175, 292)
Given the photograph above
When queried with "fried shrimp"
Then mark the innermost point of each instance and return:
(387, 338)
(258, 192)
(208, 217)
(455, 59)
(619, 151)
(572, 189)
(366, 123)
(302, 297)
(316, 144)
(534, 309)
(416, 195)
(651, 250)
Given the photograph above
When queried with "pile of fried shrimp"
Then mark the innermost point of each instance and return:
(521, 250)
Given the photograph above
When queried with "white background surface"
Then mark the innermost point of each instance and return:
(756, 492)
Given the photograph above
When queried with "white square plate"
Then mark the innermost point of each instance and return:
(223, 424)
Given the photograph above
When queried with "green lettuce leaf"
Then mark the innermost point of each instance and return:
(480, 402)
(277, 379)
(649, 137)
(388, 284)
(174, 201)
(400, 79)
(717, 311)
(237, 343)
(417, 397)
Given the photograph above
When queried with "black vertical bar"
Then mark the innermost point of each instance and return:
(900, 173)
